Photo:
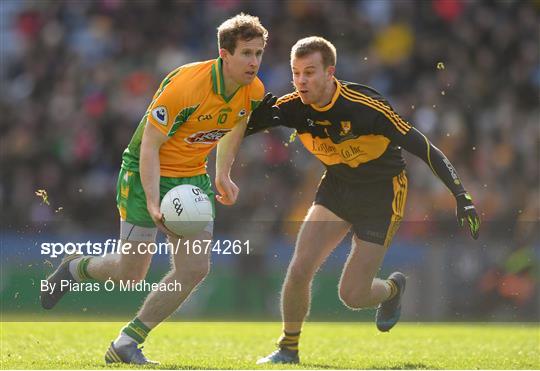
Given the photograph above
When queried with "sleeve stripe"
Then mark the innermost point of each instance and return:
(397, 120)
(429, 156)
(388, 116)
(380, 104)
(287, 98)
(388, 112)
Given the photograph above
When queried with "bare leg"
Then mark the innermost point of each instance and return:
(131, 266)
(358, 287)
(188, 270)
(319, 235)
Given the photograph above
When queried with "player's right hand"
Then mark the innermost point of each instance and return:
(227, 189)
(157, 218)
(266, 113)
(466, 212)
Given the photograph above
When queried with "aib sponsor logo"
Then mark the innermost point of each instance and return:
(207, 137)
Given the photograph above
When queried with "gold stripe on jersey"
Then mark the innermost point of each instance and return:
(382, 105)
(287, 98)
(378, 106)
(398, 122)
(352, 152)
(397, 119)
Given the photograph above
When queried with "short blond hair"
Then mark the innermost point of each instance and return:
(240, 27)
(313, 44)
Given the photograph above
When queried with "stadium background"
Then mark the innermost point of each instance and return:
(78, 75)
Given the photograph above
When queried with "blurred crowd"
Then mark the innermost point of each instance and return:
(77, 76)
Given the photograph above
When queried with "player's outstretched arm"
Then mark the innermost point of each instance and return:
(150, 173)
(416, 143)
(227, 150)
(266, 115)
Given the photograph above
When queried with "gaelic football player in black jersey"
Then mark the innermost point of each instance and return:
(357, 135)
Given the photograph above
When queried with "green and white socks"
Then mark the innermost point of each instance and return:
(79, 268)
(135, 331)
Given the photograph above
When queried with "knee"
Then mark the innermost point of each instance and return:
(353, 299)
(193, 275)
(134, 275)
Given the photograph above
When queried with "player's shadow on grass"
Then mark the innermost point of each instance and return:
(303, 365)
(404, 366)
(309, 365)
(183, 366)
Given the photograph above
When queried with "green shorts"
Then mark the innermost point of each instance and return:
(131, 200)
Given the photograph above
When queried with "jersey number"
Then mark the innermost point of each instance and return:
(222, 118)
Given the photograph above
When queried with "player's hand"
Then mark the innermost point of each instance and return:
(228, 191)
(466, 213)
(266, 113)
(158, 219)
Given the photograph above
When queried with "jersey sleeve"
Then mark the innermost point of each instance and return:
(401, 133)
(172, 104)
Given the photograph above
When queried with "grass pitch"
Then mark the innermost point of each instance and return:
(218, 345)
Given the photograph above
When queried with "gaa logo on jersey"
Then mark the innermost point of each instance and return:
(241, 115)
(160, 115)
(207, 137)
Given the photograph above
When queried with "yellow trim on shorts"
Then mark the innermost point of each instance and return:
(400, 185)
(123, 212)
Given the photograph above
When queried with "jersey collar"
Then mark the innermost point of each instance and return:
(217, 80)
(334, 98)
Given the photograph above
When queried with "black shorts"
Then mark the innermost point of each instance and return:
(374, 209)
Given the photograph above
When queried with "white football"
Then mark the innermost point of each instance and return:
(187, 210)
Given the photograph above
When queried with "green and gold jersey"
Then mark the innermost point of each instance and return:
(191, 108)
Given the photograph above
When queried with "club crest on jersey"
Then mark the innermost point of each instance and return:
(345, 128)
(242, 112)
(160, 115)
(206, 137)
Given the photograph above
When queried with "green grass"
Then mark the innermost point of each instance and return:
(81, 345)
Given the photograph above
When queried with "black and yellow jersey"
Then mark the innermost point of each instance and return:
(358, 136)
(352, 135)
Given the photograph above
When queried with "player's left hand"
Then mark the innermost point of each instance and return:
(227, 189)
(466, 212)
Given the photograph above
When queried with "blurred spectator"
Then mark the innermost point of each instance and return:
(77, 77)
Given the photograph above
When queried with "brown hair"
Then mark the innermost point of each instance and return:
(240, 27)
(313, 44)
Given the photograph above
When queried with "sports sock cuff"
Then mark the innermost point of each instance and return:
(292, 333)
(82, 268)
(289, 341)
(136, 330)
(393, 288)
